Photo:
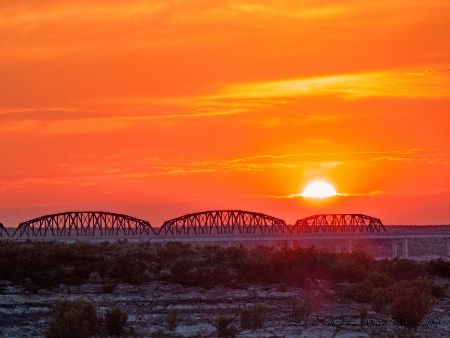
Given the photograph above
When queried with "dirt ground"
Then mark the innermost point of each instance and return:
(197, 310)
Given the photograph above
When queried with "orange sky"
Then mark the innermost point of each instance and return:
(160, 108)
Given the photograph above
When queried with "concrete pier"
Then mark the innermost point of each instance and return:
(394, 248)
(404, 248)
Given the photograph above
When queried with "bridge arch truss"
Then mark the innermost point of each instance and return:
(84, 224)
(339, 223)
(223, 222)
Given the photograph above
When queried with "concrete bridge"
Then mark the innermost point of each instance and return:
(400, 242)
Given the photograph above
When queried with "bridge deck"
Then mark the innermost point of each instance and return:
(245, 238)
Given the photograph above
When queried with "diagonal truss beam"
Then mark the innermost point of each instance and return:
(3, 232)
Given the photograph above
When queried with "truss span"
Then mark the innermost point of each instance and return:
(339, 223)
(84, 224)
(223, 222)
(3, 232)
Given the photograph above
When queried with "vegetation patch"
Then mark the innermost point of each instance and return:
(381, 285)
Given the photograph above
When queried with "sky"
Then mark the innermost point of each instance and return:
(157, 108)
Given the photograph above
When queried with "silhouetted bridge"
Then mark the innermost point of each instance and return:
(224, 222)
(83, 224)
(86, 224)
(211, 226)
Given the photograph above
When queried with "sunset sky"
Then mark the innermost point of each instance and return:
(157, 108)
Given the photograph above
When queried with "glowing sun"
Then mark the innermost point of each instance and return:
(319, 189)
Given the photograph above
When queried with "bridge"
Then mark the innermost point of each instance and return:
(83, 224)
(224, 222)
(215, 226)
(3, 231)
(339, 223)
(216, 222)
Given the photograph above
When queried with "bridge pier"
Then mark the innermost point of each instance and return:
(341, 247)
(394, 248)
(404, 247)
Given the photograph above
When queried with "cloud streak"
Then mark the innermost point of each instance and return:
(61, 122)
(346, 86)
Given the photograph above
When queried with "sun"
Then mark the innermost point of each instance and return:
(319, 189)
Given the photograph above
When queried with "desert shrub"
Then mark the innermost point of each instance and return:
(146, 276)
(115, 321)
(380, 299)
(253, 316)
(302, 309)
(439, 267)
(172, 320)
(346, 269)
(437, 291)
(363, 312)
(411, 306)
(225, 327)
(160, 334)
(401, 269)
(379, 280)
(424, 285)
(363, 292)
(94, 277)
(72, 319)
(30, 286)
(282, 287)
(109, 287)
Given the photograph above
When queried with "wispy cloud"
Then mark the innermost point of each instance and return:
(269, 162)
(346, 86)
(340, 194)
(60, 122)
(427, 72)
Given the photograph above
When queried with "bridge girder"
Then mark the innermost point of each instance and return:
(338, 223)
(84, 224)
(223, 222)
(3, 231)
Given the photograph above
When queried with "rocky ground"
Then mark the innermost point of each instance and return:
(149, 307)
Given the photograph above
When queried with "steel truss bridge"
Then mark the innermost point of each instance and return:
(223, 222)
(100, 224)
(83, 224)
(339, 223)
(217, 226)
